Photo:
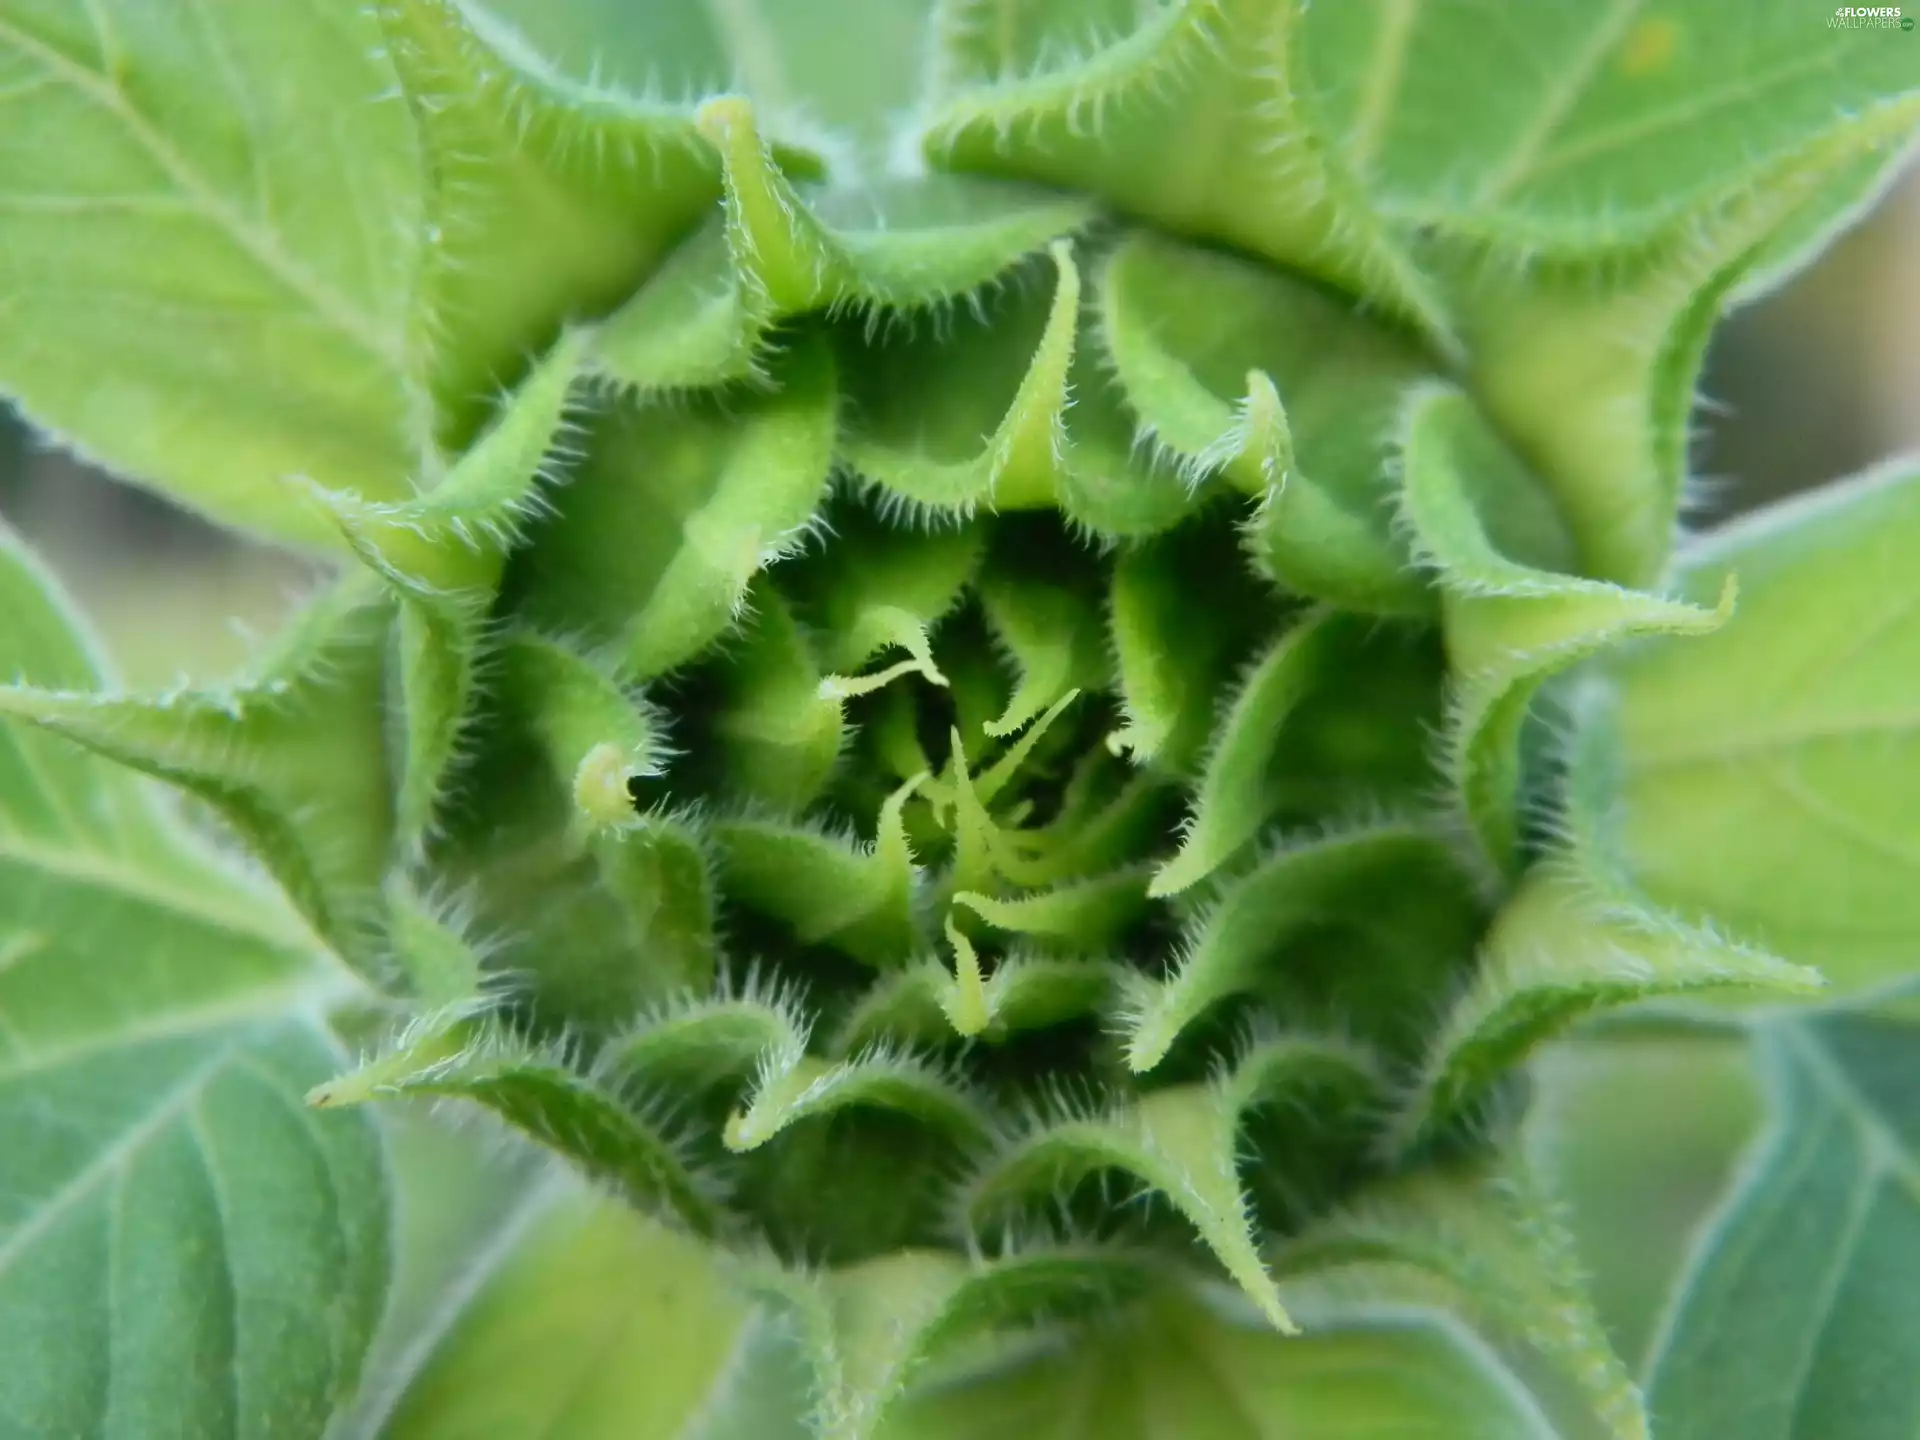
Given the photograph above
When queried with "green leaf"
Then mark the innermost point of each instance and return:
(292, 758)
(585, 1321)
(1611, 124)
(1184, 1371)
(790, 57)
(200, 292)
(1793, 1319)
(159, 1020)
(1766, 779)
(1479, 521)
(676, 507)
(1559, 950)
(1590, 364)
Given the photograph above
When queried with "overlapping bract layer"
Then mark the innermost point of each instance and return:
(910, 722)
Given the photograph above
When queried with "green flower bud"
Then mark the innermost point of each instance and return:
(987, 718)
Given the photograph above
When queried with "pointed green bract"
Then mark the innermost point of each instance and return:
(291, 758)
(1179, 1143)
(1182, 1143)
(538, 1090)
(1236, 793)
(780, 725)
(440, 969)
(1180, 613)
(1284, 391)
(1510, 625)
(1030, 420)
(1052, 632)
(880, 591)
(596, 731)
(778, 251)
(698, 1043)
(453, 539)
(546, 200)
(705, 494)
(804, 1088)
(930, 1003)
(658, 874)
(442, 554)
(1000, 437)
(1086, 915)
(1558, 951)
(1243, 930)
(830, 889)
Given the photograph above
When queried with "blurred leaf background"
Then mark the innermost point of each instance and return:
(1816, 381)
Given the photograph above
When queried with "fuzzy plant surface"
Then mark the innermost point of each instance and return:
(997, 662)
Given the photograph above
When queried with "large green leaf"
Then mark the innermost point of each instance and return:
(209, 215)
(1610, 119)
(1798, 1319)
(1767, 778)
(183, 1244)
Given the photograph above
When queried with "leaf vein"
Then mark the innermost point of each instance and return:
(265, 247)
(85, 1181)
(103, 872)
(1557, 103)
